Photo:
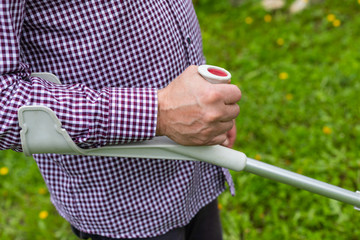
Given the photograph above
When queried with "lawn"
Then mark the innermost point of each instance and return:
(300, 111)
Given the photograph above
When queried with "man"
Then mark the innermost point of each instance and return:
(127, 74)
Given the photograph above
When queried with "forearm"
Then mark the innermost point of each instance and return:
(92, 118)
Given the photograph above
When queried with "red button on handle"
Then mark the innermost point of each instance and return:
(217, 72)
(214, 74)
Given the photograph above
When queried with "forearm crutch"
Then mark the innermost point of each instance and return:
(42, 133)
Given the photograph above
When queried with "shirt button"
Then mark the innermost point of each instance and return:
(188, 40)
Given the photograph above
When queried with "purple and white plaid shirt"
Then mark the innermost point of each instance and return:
(111, 57)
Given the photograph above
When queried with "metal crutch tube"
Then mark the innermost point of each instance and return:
(300, 181)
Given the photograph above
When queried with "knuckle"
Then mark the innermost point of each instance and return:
(212, 96)
(212, 116)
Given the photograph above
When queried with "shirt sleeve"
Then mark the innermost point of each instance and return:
(92, 117)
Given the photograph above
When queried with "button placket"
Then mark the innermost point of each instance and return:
(187, 41)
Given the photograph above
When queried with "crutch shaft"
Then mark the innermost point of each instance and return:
(302, 182)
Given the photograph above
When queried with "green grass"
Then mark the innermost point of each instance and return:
(281, 122)
(23, 196)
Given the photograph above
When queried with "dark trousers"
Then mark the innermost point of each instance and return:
(204, 226)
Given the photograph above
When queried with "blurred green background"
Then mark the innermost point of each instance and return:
(300, 110)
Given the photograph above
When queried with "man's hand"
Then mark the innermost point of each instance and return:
(195, 112)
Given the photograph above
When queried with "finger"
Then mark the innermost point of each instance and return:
(222, 128)
(231, 93)
(218, 140)
(230, 112)
(231, 135)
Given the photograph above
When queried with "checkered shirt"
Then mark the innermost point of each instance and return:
(111, 57)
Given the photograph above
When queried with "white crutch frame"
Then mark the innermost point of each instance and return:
(42, 133)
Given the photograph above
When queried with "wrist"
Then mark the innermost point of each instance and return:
(159, 124)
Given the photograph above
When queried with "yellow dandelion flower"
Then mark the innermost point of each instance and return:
(268, 18)
(4, 171)
(258, 157)
(280, 41)
(42, 191)
(331, 17)
(249, 20)
(220, 207)
(289, 97)
(327, 130)
(336, 23)
(358, 1)
(43, 214)
(283, 75)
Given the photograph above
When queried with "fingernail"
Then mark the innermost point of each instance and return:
(226, 142)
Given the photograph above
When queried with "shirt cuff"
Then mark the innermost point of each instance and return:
(132, 114)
